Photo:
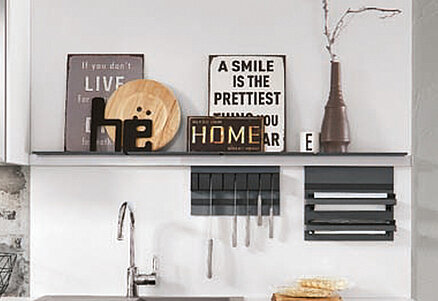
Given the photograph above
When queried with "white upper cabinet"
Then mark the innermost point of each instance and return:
(2, 80)
(14, 81)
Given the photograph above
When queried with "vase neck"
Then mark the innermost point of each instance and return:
(335, 85)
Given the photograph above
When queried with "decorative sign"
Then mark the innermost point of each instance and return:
(225, 134)
(90, 76)
(309, 142)
(133, 129)
(250, 85)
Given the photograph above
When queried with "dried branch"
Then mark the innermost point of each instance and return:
(388, 12)
(326, 28)
(332, 37)
(339, 26)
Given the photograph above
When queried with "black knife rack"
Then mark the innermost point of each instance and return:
(349, 225)
(249, 181)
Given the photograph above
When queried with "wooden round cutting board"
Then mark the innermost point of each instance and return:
(146, 99)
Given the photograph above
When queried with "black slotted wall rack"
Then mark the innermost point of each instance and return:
(349, 224)
(250, 181)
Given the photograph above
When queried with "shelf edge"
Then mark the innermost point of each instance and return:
(201, 160)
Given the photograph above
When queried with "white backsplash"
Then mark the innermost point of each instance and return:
(74, 247)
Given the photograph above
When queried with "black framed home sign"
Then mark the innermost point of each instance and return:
(90, 76)
(225, 134)
(251, 85)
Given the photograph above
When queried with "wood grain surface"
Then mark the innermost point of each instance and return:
(279, 297)
(146, 99)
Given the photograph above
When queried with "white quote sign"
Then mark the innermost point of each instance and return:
(250, 85)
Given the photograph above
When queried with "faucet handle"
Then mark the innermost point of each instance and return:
(154, 264)
(148, 279)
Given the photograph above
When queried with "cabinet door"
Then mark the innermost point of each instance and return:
(16, 137)
(2, 80)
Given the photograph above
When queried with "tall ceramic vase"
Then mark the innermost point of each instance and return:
(335, 130)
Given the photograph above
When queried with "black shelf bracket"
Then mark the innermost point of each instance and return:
(249, 183)
(349, 203)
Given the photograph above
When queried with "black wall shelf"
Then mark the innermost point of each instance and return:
(186, 159)
(176, 153)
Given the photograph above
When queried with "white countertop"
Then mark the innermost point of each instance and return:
(256, 299)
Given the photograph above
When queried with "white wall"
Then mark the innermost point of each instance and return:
(178, 36)
(74, 248)
(73, 210)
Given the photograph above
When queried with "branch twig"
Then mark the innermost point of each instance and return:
(331, 37)
(326, 28)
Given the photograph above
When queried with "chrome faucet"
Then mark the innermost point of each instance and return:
(134, 279)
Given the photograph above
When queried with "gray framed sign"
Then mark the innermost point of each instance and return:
(251, 85)
(89, 76)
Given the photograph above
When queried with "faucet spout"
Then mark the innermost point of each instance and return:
(122, 213)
